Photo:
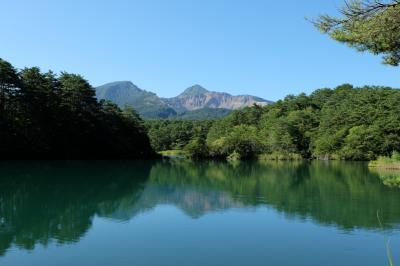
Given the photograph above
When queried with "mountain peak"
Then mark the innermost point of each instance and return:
(121, 85)
(194, 90)
(195, 99)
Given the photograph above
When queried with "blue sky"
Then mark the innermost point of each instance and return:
(260, 47)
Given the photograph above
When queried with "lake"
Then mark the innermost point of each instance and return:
(177, 212)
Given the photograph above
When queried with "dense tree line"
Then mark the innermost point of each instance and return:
(175, 134)
(43, 115)
(342, 123)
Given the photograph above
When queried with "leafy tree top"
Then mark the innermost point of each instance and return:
(367, 25)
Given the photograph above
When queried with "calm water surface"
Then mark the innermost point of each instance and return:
(182, 213)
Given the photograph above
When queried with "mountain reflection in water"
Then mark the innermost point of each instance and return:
(43, 202)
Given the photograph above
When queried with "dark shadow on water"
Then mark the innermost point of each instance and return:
(45, 201)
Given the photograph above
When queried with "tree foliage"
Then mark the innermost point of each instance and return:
(175, 134)
(342, 123)
(367, 25)
(43, 115)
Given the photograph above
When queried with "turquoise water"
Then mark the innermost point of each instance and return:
(182, 213)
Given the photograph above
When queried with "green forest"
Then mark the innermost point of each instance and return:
(176, 134)
(43, 115)
(345, 123)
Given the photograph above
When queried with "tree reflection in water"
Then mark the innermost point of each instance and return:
(41, 202)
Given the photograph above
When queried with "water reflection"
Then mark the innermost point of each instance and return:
(346, 195)
(41, 202)
(389, 177)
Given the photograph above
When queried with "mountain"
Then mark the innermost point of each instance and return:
(125, 93)
(197, 97)
(194, 103)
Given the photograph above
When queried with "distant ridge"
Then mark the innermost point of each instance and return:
(125, 93)
(195, 102)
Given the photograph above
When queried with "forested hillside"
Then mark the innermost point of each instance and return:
(43, 115)
(202, 114)
(342, 123)
(125, 93)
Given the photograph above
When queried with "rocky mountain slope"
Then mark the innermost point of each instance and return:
(197, 97)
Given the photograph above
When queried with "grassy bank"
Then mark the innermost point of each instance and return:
(278, 156)
(173, 153)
